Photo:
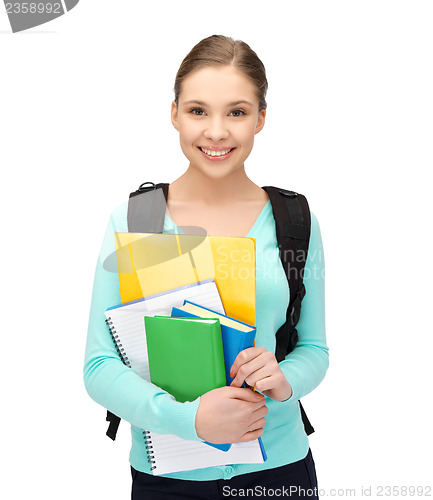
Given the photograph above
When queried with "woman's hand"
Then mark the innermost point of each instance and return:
(260, 369)
(230, 415)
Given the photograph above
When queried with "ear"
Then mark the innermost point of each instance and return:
(174, 115)
(260, 121)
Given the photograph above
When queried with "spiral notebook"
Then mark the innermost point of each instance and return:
(168, 453)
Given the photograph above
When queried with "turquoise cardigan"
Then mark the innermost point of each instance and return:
(119, 389)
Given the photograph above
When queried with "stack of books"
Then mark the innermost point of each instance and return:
(182, 340)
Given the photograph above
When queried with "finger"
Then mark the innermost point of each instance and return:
(245, 356)
(246, 395)
(258, 419)
(260, 379)
(259, 413)
(265, 383)
(251, 436)
(258, 424)
(247, 369)
(257, 405)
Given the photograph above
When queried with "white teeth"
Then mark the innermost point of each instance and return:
(216, 153)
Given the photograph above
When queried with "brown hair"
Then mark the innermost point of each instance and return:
(219, 50)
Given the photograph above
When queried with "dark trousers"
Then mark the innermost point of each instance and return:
(295, 481)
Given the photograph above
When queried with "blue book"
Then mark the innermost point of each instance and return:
(236, 335)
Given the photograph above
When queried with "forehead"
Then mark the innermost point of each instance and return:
(217, 85)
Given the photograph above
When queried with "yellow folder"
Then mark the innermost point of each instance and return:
(150, 263)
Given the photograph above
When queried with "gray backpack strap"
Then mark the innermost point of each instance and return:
(146, 208)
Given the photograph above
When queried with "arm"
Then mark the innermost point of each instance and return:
(113, 385)
(305, 367)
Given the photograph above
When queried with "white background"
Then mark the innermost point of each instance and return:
(85, 118)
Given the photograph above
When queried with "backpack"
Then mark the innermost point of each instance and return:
(146, 212)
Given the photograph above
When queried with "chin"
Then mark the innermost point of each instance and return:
(217, 171)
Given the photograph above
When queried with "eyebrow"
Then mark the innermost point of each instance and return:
(201, 103)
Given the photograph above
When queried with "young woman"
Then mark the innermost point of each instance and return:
(219, 107)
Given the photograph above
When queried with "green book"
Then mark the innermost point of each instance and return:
(186, 356)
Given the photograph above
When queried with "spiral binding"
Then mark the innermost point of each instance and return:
(149, 449)
(116, 340)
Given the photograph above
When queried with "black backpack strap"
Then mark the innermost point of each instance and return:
(293, 222)
(113, 426)
(146, 210)
(309, 429)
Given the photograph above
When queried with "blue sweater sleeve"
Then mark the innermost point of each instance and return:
(108, 381)
(306, 366)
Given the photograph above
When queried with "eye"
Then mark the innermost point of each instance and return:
(238, 111)
(197, 111)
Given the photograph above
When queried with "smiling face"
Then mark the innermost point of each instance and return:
(217, 119)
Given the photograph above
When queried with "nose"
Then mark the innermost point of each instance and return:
(216, 129)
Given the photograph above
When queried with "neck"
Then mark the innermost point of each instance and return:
(194, 185)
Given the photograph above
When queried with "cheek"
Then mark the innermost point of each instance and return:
(188, 136)
(247, 139)
(188, 141)
(245, 133)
